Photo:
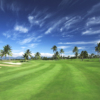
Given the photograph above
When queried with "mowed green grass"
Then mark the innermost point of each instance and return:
(51, 80)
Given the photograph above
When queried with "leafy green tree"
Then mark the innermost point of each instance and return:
(61, 51)
(37, 55)
(97, 49)
(85, 54)
(76, 51)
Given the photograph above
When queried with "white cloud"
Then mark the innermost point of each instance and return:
(30, 18)
(1, 5)
(20, 54)
(67, 36)
(72, 21)
(11, 34)
(21, 29)
(34, 20)
(30, 39)
(63, 47)
(37, 38)
(81, 48)
(27, 40)
(33, 45)
(46, 54)
(64, 23)
(91, 27)
(91, 32)
(54, 25)
(33, 54)
(49, 31)
(14, 7)
(81, 42)
(23, 47)
(9, 5)
(93, 21)
(95, 8)
(16, 51)
(6, 34)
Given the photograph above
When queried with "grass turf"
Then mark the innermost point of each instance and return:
(51, 80)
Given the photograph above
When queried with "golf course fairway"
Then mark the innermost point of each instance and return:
(51, 80)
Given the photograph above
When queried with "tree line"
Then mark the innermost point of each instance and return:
(57, 54)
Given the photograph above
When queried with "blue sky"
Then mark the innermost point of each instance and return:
(39, 24)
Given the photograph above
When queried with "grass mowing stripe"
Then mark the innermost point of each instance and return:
(22, 73)
(83, 87)
(16, 68)
(93, 78)
(20, 70)
(31, 87)
(60, 88)
(20, 80)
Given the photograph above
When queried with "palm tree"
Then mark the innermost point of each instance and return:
(97, 49)
(25, 56)
(61, 51)
(28, 52)
(5, 51)
(76, 54)
(37, 55)
(54, 48)
(56, 55)
(82, 55)
(76, 51)
(9, 52)
(1, 53)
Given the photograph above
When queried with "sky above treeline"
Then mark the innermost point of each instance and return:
(40, 24)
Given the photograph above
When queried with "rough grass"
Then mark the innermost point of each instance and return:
(51, 80)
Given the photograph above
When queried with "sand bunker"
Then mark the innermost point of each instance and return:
(5, 65)
(13, 63)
